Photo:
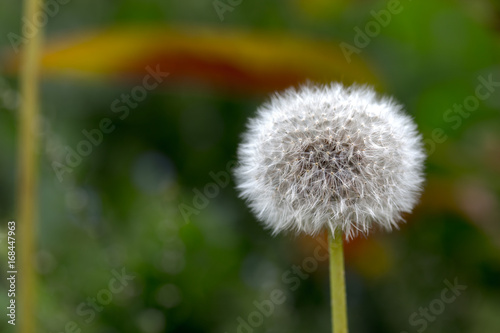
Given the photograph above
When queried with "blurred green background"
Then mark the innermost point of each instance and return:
(120, 208)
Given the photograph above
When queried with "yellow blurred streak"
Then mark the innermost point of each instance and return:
(231, 59)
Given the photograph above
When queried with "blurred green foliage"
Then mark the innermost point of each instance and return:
(119, 208)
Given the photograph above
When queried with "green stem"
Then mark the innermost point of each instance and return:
(27, 166)
(337, 283)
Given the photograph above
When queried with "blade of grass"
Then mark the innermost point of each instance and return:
(27, 168)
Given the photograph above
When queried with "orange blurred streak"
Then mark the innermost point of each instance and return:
(227, 59)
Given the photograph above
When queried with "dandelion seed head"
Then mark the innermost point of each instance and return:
(330, 157)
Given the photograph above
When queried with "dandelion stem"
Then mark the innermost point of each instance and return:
(337, 283)
(27, 168)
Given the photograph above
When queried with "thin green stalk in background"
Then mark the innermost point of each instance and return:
(27, 173)
(337, 283)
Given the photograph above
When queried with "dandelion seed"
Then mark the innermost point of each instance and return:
(392, 150)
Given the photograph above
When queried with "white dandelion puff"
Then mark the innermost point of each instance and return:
(330, 157)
